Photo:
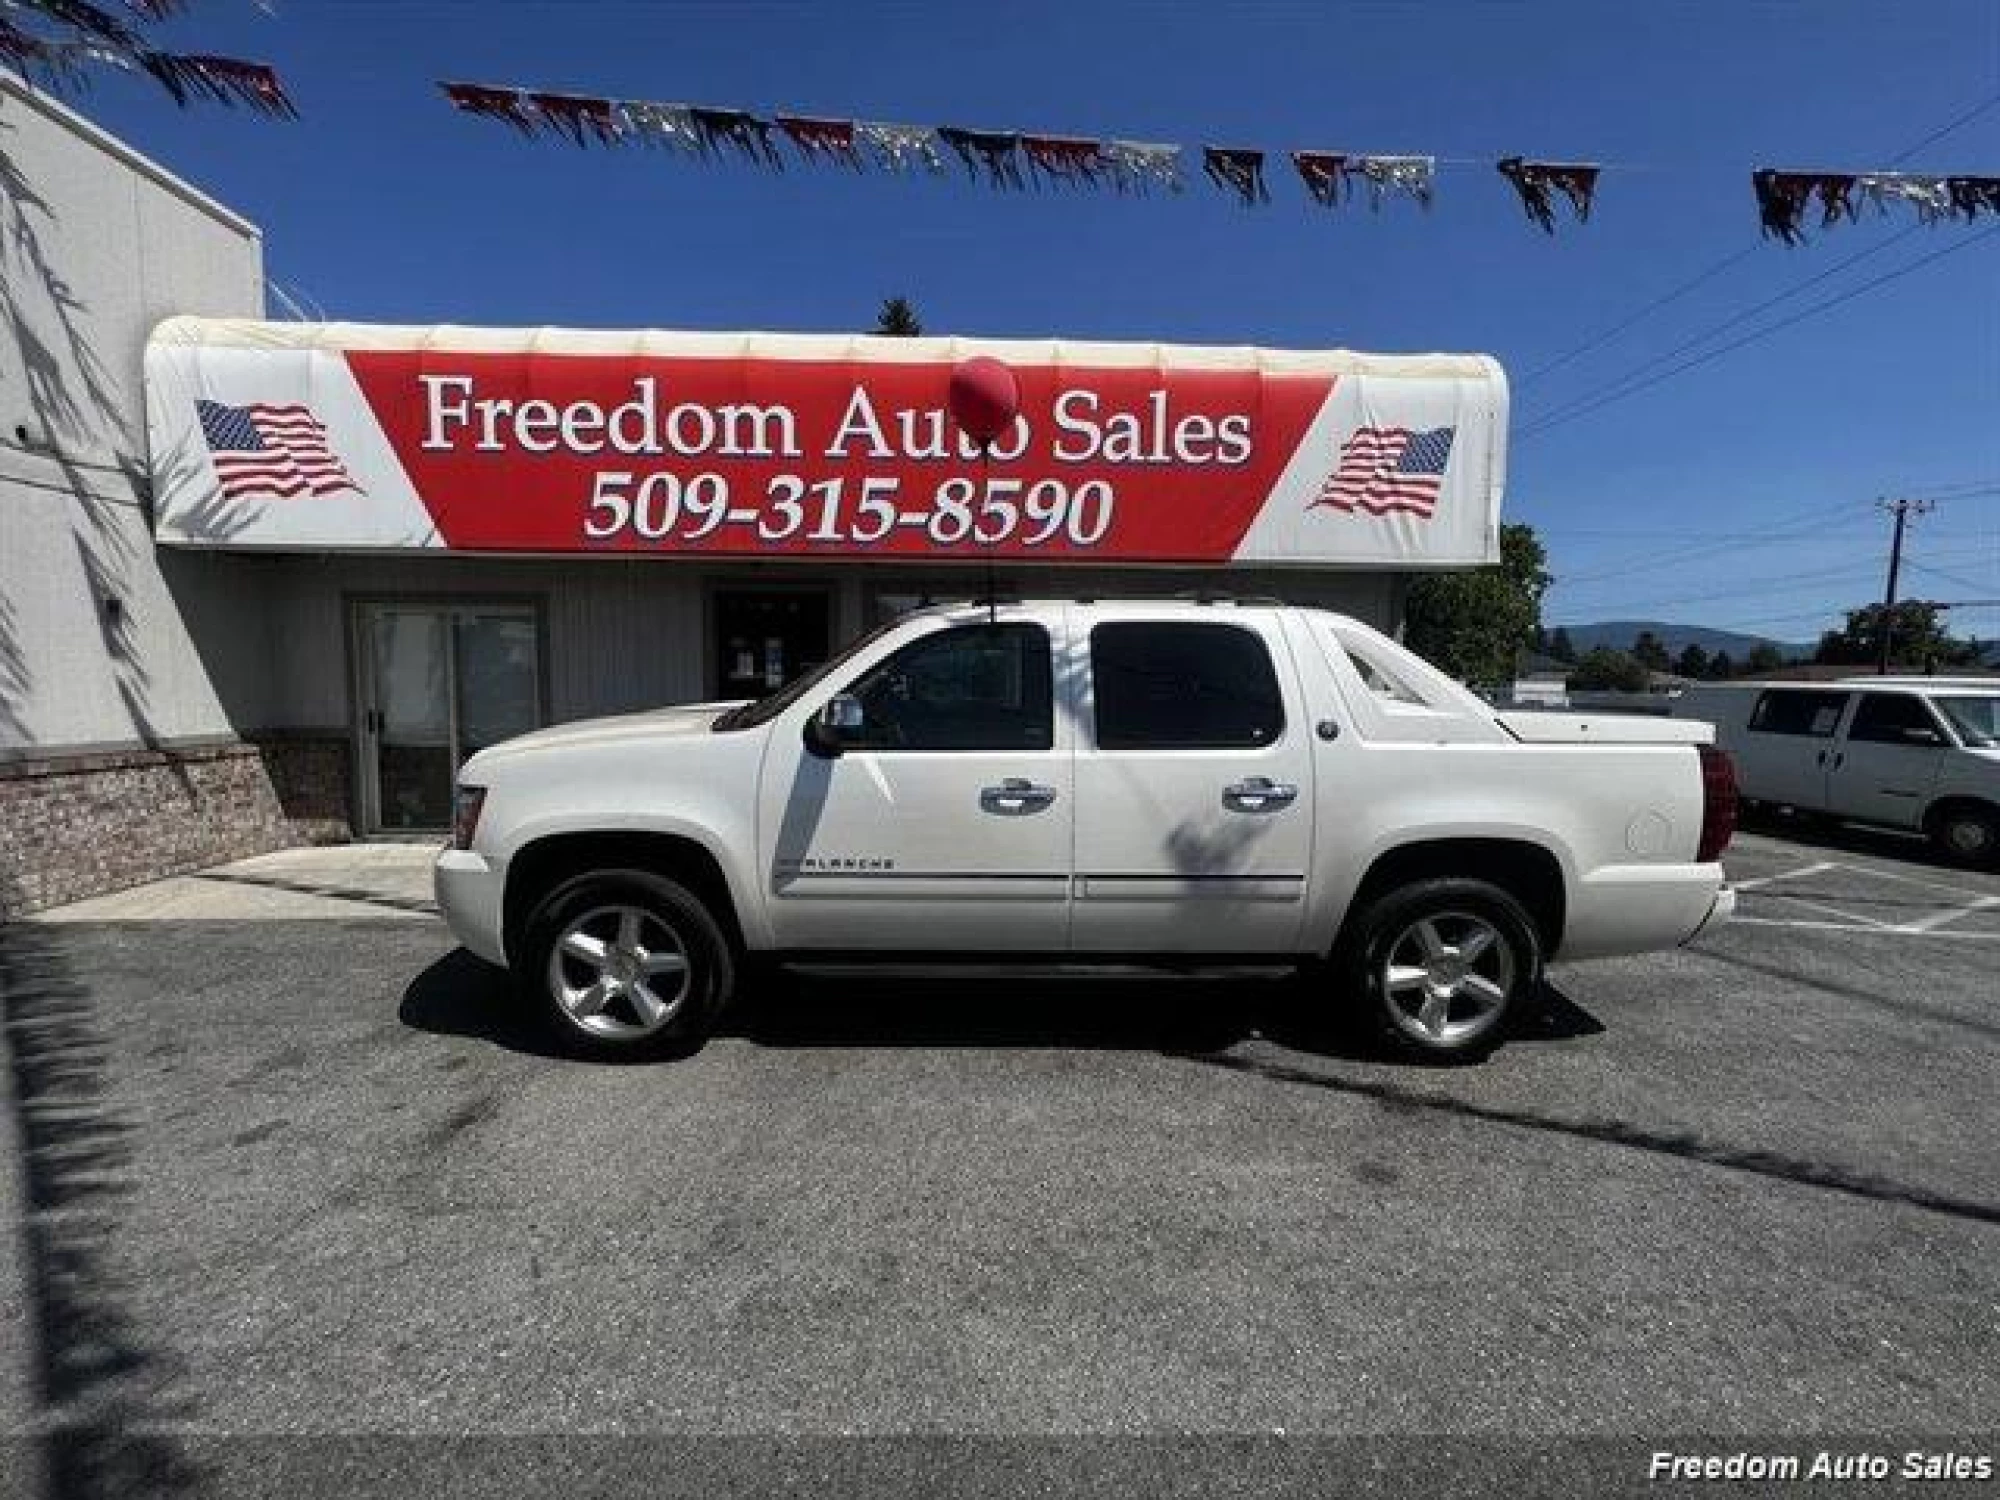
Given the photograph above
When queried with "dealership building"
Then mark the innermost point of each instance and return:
(264, 583)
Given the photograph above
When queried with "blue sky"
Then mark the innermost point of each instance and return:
(1737, 494)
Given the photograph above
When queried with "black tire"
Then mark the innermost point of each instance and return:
(1509, 963)
(673, 918)
(1966, 833)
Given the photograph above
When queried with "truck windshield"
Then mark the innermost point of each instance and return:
(763, 710)
(1977, 719)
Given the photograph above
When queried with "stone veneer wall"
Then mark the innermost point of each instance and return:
(79, 825)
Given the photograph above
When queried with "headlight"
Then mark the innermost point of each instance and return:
(466, 803)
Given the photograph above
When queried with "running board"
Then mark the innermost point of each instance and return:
(1015, 969)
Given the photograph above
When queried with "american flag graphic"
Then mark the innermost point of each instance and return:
(264, 449)
(1385, 469)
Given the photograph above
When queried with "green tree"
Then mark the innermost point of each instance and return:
(1476, 623)
(898, 319)
(1721, 666)
(1651, 652)
(1764, 657)
(1917, 636)
(1605, 670)
(1692, 662)
(1561, 647)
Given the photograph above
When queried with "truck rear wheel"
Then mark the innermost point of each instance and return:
(1443, 965)
(625, 963)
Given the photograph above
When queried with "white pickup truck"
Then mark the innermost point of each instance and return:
(1174, 784)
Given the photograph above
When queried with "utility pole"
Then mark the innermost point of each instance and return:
(1902, 510)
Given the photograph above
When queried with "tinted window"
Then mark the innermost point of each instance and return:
(974, 687)
(1183, 687)
(1977, 720)
(1894, 719)
(1798, 713)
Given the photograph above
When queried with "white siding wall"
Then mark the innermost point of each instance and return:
(96, 246)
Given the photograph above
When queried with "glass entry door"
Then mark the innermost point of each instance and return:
(437, 683)
(764, 638)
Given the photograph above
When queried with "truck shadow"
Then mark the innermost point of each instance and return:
(460, 996)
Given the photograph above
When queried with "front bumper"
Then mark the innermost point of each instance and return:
(470, 893)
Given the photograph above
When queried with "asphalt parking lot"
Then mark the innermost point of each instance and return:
(284, 1162)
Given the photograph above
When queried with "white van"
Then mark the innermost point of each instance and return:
(1917, 753)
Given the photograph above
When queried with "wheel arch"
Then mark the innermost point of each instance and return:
(1950, 802)
(543, 863)
(1528, 871)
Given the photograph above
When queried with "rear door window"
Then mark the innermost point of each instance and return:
(1795, 711)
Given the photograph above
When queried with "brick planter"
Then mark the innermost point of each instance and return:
(79, 825)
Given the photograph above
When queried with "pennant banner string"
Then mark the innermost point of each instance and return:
(1005, 159)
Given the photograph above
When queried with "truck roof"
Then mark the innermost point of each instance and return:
(1181, 603)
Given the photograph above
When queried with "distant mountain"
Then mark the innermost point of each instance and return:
(1619, 635)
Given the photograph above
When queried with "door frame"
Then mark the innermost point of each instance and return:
(747, 583)
(363, 791)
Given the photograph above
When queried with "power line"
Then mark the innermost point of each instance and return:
(1956, 578)
(1727, 263)
(1730, 261)
(1785, 584)
(1561, 413)
(1785, 528)
(1699, 533)
(1967, 491)
(1756, 335)
(1944, 130)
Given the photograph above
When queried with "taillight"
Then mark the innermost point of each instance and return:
(465, 815)
(1718, 804)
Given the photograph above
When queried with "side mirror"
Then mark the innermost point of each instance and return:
(1917, 735)
(837, 723)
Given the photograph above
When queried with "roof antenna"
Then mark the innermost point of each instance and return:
(986, 488)
(985, 401)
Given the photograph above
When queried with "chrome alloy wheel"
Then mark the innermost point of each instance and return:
(1447, 978)
(618, 972)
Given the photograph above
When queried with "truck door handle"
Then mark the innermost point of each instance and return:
(1015, 796)
(1256, 794)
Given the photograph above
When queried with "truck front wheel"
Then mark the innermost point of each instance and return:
(625, 963)
(1443, 965)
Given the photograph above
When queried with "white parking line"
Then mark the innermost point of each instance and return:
(1906, 931)
(1937, 924)
(1837, 911)
(1751, 885)
(1929, 885)
(1929, 924)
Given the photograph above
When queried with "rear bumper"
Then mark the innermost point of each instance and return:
(1721, 911)
(1644, 908)
(470, 892)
